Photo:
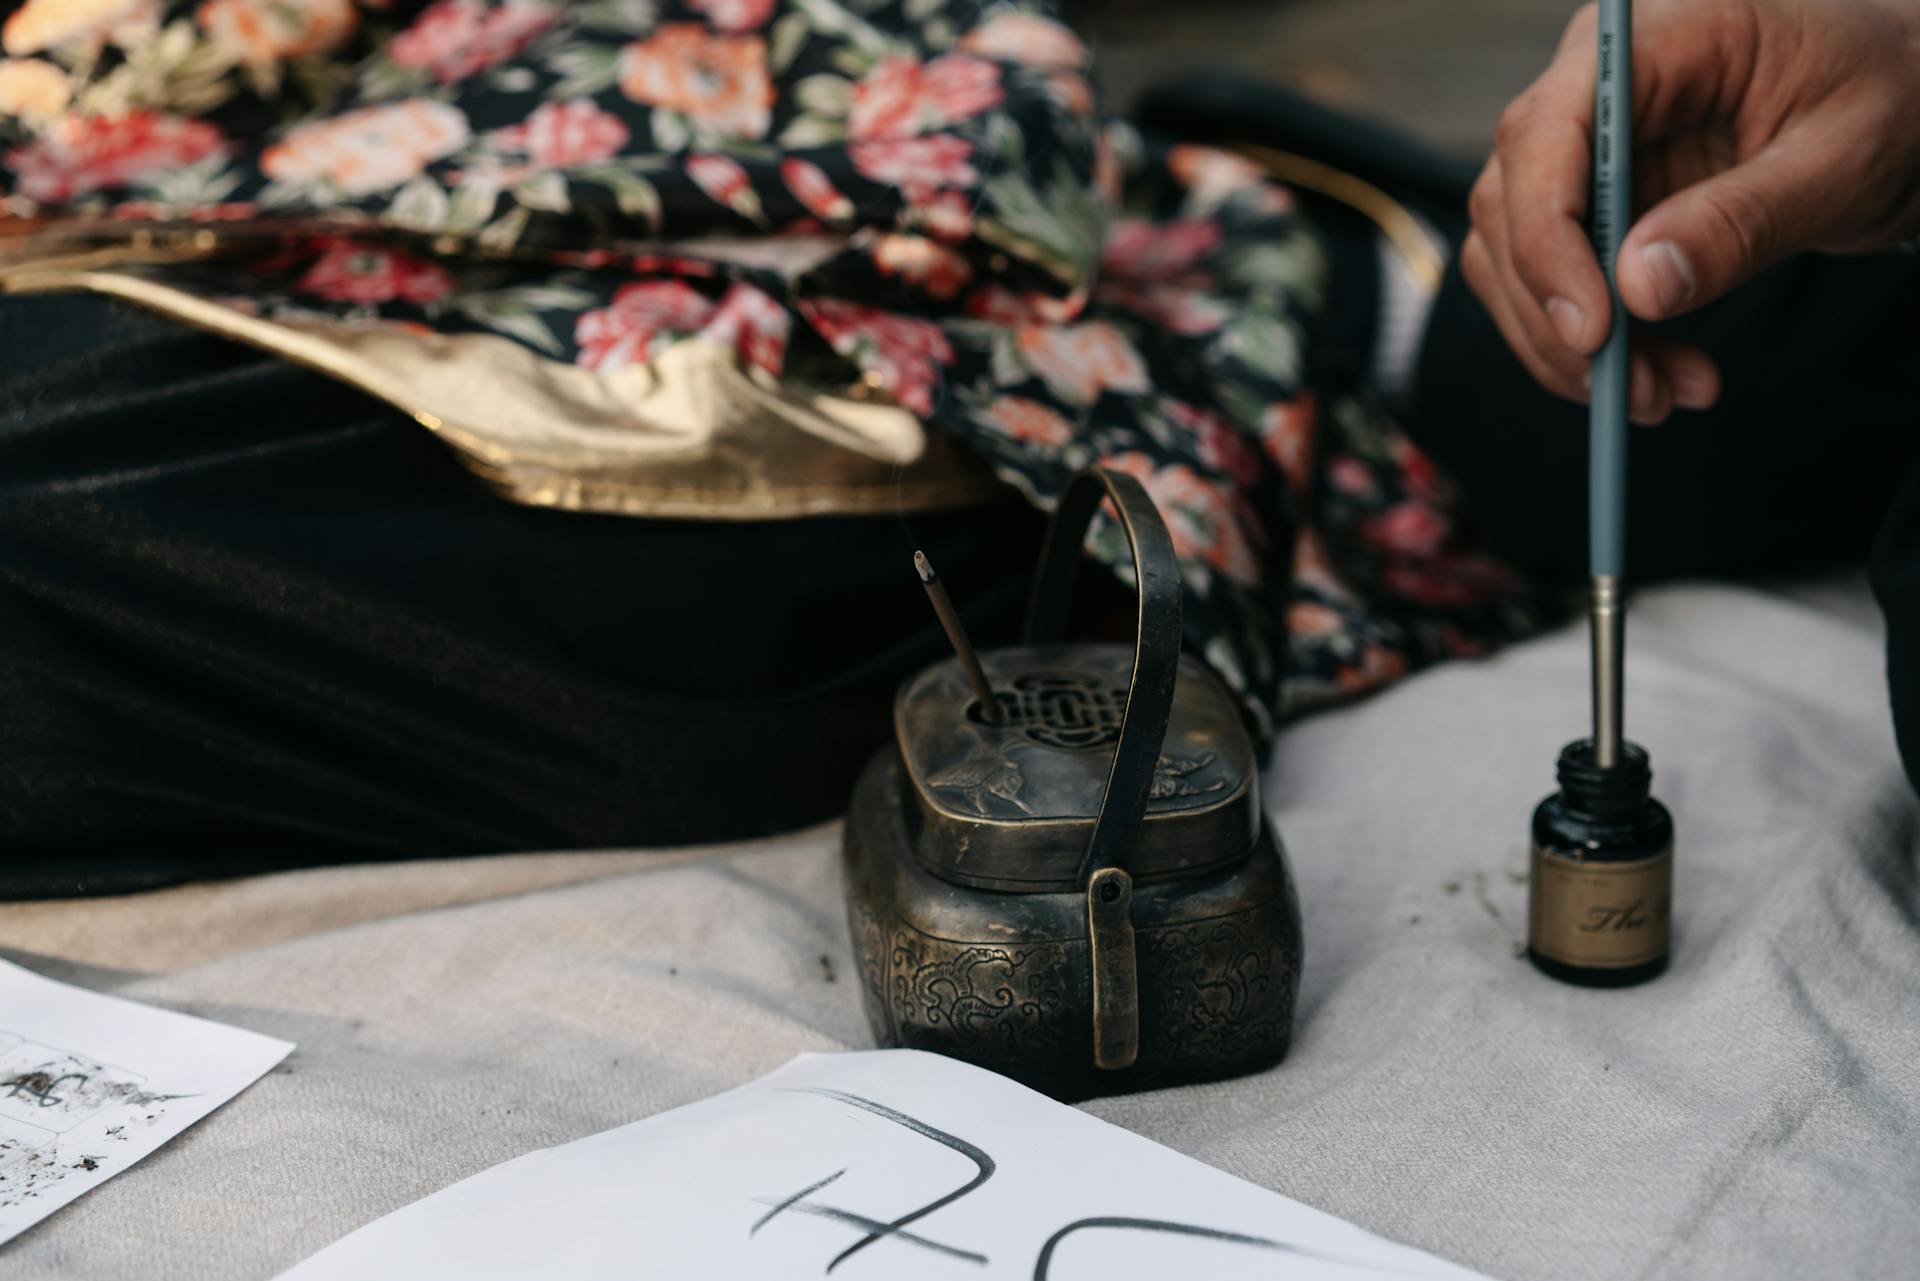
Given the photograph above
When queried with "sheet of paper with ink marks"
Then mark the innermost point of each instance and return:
(89, 1084)
(887, 1164)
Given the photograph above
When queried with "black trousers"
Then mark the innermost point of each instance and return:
(250, 618)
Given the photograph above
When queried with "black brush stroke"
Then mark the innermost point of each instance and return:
(801, 1195)
(887, 1230)
(1045, 1260)
(982, 1162)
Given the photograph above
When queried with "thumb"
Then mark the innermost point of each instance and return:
(1704, 239)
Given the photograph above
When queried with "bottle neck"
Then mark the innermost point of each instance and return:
(1604, 794)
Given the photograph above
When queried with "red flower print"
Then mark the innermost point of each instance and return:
(918, 164)
(1025, 38)
(1286, 430)
(622, 333)
(944, 215)
(1197, 167)
(1004, 307)
(723, 179)
(1078, 362)
(1149, 268)
(265, 31)
(1137, 249)
(371, 149)
(559, 135)
(453, 39)
(83, 25)
(927, 263)
(82, 154)
(1313, 567)
(591, 259)
(1351, 477)
(733, 15)
(745, 320)
(1027, 420)
(1378, 666)
(1448, 582)
(673, 265)
(1070, 92)
(1218, 444)
(1212, 176)
(1410, 529)
(366, 274)
(1313, 620)
(753, 324)
(905, 352)
(1417, 472)
(1180, 311)
(903, 96)
(814, 190)
(720, 82)
(1199, 514)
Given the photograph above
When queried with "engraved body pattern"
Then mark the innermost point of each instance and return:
(1223, 986)
(1004, 980)
(1006, 1000)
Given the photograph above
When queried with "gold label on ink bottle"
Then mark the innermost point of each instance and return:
(1600, 915)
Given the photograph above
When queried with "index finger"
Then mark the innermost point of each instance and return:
(1545, 148)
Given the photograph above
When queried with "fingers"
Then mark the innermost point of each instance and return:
(1536, 329)
(1664, 375)
(1706, 238)
(1688, 371)
(1561, 370)
(1542, 168)
(1545, 160)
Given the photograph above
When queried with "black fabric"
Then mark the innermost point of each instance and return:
(1816, 426)
(1225, 107)
(1895, 574)
(250, 618)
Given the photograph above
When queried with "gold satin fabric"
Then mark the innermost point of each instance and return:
(690, 435)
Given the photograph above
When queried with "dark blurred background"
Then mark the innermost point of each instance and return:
(1441, 69)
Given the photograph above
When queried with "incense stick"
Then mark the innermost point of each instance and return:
(1607, 424)
(957, 636)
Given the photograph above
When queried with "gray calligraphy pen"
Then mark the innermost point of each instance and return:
(1600, 898)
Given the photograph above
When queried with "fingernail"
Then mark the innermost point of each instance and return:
(1569, 320)
(1672, 275)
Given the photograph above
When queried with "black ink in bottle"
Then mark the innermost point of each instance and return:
(1601, 895)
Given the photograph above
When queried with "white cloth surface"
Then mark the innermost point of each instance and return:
(1755, 1113)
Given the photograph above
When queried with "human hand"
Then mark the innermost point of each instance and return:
(1762, 128)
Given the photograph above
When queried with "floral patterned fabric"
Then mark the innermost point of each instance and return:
(918, 194)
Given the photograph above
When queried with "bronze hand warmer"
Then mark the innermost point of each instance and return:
(1080, 891)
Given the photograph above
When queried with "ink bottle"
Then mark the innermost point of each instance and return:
(1601, 894)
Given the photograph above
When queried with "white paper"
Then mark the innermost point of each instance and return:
(887, 1164)
(89, 1084)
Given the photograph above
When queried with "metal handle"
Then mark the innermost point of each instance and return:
(1143, 728)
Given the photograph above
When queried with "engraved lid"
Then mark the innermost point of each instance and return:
(1012, 806)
